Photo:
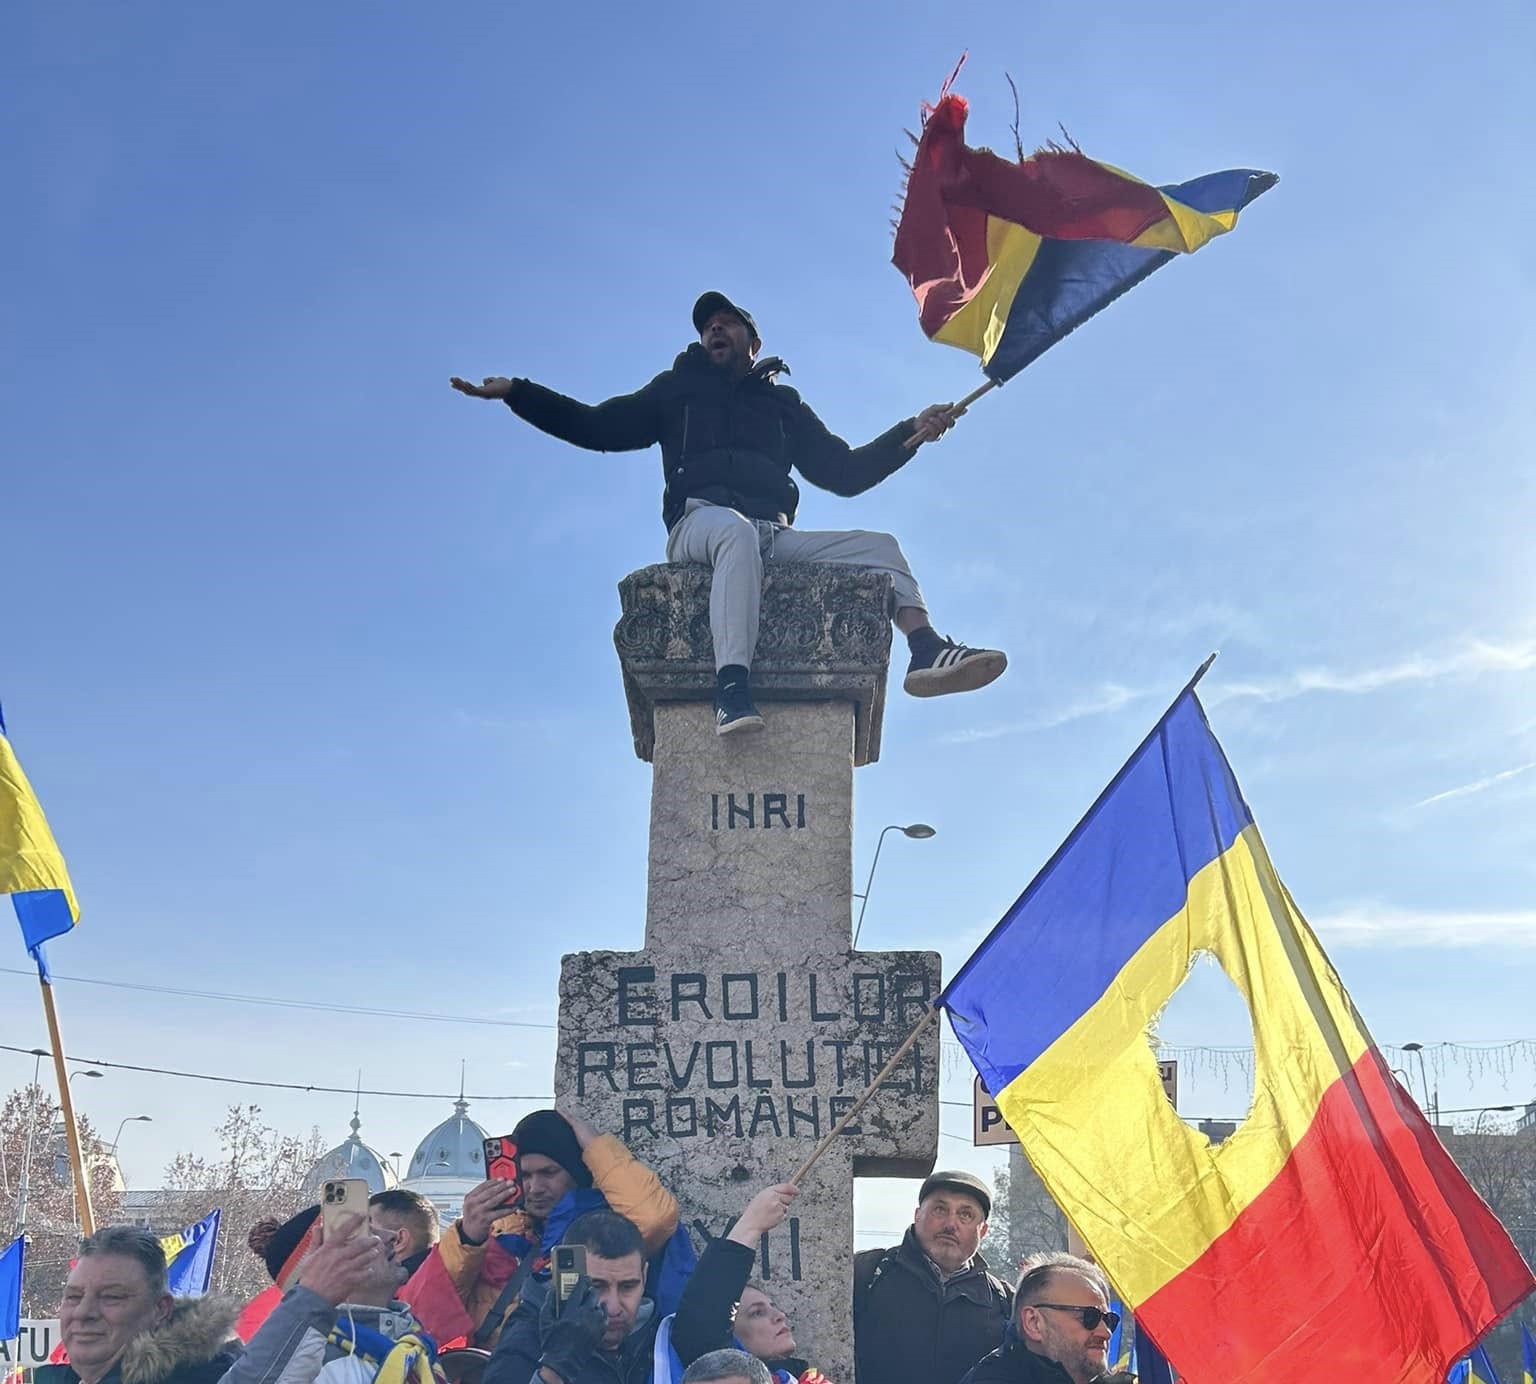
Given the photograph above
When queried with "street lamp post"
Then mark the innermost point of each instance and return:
(74, 1191)
(1477, 1127)
(117, 1138)
(26, 1156)
(1418, 1050)
(918, 831)
(127, 1120)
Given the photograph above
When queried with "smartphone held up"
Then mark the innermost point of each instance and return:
(570, 1263)
(501, 1166)
(340, 1198)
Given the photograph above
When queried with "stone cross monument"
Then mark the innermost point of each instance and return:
(727, 1048)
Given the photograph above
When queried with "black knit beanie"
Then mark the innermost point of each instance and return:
(547, 1132)
(283, 1246)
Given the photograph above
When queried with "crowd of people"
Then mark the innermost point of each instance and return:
(393, 1299)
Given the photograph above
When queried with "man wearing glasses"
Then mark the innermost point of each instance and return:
(1063, 1326)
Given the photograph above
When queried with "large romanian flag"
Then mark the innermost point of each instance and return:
(1331, 1235)
(1007, 257)
(32, 868)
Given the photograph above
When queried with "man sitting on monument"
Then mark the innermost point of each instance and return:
(1061, 1326)
(474, 1276)
(603, 1333)
(730, 435)
(926, 1311)
(721, 1307)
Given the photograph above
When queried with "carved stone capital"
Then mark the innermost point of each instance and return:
(825, 635)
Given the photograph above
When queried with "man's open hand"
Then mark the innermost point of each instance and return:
(492, 387)
(339, 1267)
(584, 1130)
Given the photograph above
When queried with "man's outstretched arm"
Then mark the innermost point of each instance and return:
(826, 460)
(626, 423)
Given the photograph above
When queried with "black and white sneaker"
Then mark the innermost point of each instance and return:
(952, 667)
(734, 712)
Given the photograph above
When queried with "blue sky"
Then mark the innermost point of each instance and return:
(307, 655)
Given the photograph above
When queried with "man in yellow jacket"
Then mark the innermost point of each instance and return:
(477, 1273)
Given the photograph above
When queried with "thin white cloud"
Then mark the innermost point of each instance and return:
(1380, 925)
(1478, 785)
(1474, 658)
(1099, 701)
(1219, 619)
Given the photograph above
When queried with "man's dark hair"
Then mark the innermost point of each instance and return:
(1040, 1269)
(131, 1242)
(418, 1214)
(606, 1234)
(727, 1364)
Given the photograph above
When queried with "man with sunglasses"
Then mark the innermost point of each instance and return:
(1061, 1326)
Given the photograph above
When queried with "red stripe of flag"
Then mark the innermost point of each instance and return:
(941, 241)
(1367, 1258)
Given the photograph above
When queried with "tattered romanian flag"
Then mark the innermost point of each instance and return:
(1006, 258)
(1331, 1234)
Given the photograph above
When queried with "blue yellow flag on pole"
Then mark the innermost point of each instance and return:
(1332, 1232)
(32, 869)
(1482, 1371)
(189, 1256)
(12, 1265)
(1527, 1355)
(1119, 1352)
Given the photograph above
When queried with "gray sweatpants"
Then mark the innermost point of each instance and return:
(736, 547)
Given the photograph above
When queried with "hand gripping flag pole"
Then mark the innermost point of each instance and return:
(957, 410)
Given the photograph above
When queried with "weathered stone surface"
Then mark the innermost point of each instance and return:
(751, 836)
(727, 1048)
(722, 1070)
(825, 633)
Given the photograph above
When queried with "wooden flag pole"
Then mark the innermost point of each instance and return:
(67, 1105)
(863, 1100)
(959, 409)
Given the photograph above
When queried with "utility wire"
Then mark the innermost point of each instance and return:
(273, 1085)
(1482, 1045)
(452, 1096)
(286, 1004)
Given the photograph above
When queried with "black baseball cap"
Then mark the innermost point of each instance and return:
(710, 303)
(958, 1180)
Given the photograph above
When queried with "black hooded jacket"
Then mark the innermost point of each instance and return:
(1014, 1363)
(911, 1328)
(726, 439)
